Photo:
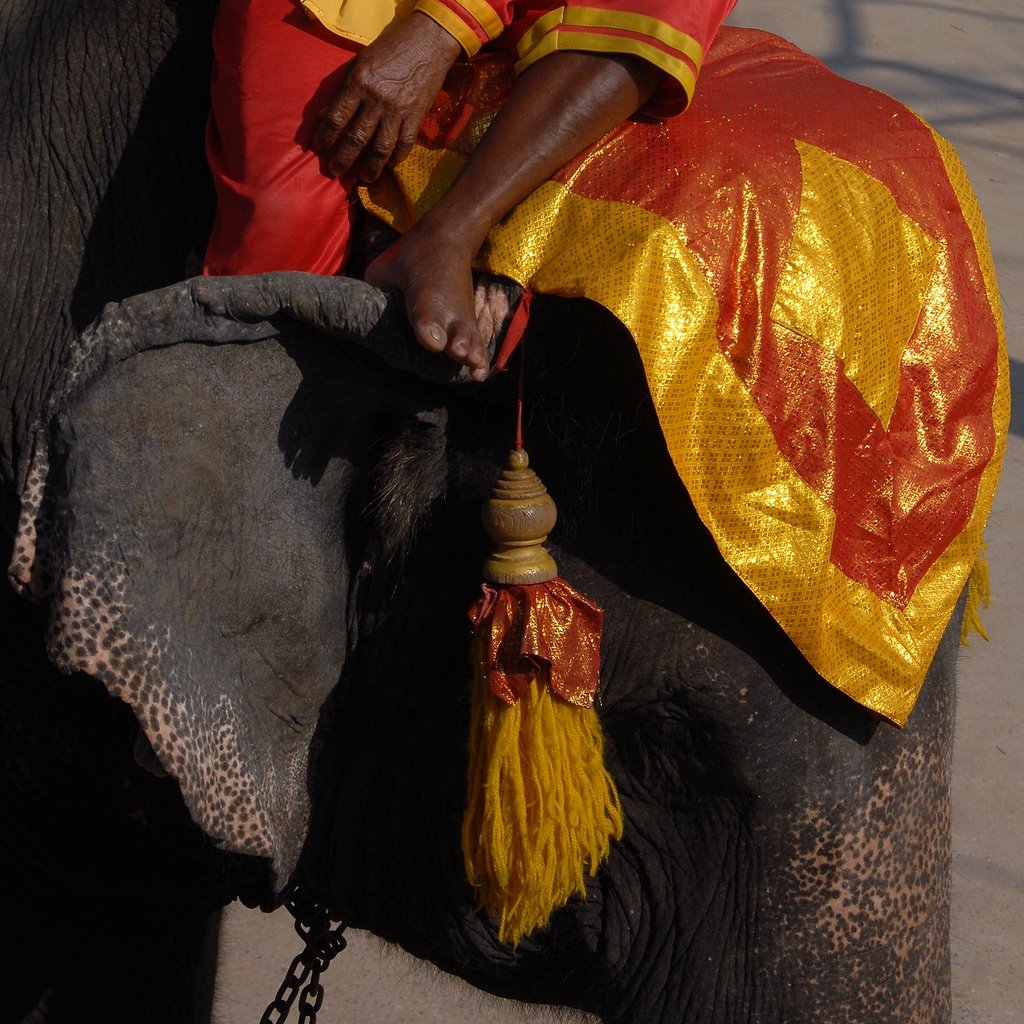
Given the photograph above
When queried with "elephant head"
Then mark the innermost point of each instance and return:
(192, 524)
(267, 548)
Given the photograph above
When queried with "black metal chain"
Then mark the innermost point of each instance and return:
(322, 944)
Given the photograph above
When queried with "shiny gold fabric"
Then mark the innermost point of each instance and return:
(544, 631)
(806, 274)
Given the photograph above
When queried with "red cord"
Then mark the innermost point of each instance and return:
(519, 397)
(515, 330)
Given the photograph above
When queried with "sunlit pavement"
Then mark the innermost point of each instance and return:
(959, 65)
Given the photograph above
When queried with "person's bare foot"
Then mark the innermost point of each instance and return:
(433, 272)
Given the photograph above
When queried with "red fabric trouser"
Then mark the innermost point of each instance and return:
(274, 71)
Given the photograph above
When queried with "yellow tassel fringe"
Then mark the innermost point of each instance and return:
(542, 808)
(979, 595)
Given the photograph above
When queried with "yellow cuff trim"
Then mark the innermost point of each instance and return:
(451, 23)
(485, 15)
(598, 42)
(594, 17)
(476, 10)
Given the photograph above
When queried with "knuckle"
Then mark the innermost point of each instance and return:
(358, 73)
(357, 138)
(335, 118)
(366, 83)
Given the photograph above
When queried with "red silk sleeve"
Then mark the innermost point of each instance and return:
(673, 35)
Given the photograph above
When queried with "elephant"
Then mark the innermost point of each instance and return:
(265, 504)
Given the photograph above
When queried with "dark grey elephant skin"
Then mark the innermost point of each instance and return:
(102, 120)
(274, 539)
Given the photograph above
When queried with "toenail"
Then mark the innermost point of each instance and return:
(437, 335)
(460, 348)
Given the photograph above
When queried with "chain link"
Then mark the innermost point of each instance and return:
(302, 981)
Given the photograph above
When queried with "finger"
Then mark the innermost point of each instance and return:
(376, 155)
(406, 139)
(353, 143)
(335, 118)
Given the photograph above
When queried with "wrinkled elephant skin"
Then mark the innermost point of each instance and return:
(239, 509)
(247, 573)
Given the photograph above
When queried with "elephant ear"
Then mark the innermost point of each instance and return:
(190, 519)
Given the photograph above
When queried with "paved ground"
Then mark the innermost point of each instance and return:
(959, 64)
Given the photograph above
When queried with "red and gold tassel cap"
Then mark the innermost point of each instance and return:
(542, 808)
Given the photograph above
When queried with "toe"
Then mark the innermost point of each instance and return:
(430, 334)
(466, 347)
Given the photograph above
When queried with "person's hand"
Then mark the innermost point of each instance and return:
(374, 119)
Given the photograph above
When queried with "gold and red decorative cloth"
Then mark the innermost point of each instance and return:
(541, 630)
(805, 271)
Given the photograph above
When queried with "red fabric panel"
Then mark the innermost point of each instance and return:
(275, 69)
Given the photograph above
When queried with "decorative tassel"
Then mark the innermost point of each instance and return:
(979, 595)
(542, 809)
